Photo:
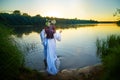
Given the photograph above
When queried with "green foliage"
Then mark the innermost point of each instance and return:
(17, 12)
(10, 56)
(28, 74)
(117, 15)
(118, 23)
(109, 52)
(16, 18)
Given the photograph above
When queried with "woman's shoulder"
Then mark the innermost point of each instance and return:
(42, 31)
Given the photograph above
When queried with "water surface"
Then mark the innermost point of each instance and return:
(77, 48)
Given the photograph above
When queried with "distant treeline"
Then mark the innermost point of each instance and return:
(18, 18)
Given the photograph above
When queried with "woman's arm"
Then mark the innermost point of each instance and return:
(57, 36)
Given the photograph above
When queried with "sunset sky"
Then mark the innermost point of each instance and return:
(101, 10)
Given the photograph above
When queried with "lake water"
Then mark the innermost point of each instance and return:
(77, 48)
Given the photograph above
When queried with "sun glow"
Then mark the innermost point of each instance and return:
(52, 14)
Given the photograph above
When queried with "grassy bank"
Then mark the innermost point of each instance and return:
(10, 56)
(86, 73)
(109, 52)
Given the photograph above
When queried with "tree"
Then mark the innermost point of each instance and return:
(38, 15)
(17, 12)
(117, 14)
(25, 14)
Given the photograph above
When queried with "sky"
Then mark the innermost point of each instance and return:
(100, 10)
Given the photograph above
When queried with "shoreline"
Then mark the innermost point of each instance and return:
(97, 64)
(89, 72)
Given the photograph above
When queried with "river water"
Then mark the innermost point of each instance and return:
(77, 48)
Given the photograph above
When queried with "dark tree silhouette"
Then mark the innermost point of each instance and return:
(117, 14)
(17, 18)
(17, 12)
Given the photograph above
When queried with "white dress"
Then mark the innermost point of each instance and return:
(50, 52)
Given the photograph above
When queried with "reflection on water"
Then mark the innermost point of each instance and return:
(77, 48)
(20, 30)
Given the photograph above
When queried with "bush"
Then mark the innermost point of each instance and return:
(118, 23)
(10, 56)
(109, 52)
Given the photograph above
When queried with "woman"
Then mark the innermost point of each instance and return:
(48, 38)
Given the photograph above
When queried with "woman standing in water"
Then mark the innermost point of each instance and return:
(48, 37)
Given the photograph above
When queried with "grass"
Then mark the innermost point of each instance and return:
(109, 52)
(10, 55)
(12, 58)
(28, 74)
